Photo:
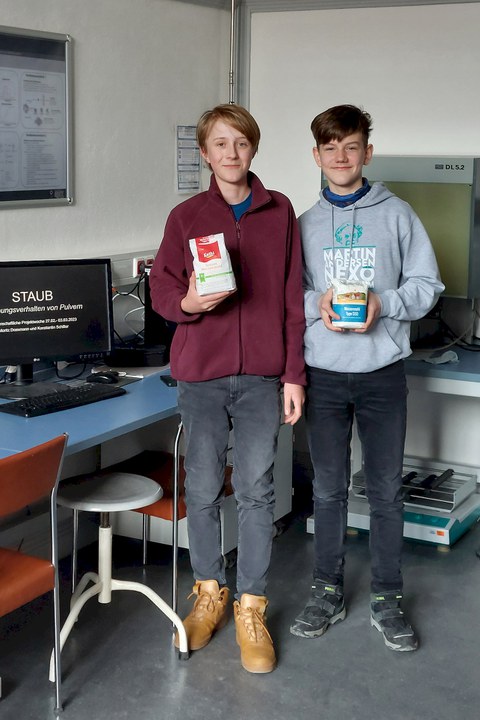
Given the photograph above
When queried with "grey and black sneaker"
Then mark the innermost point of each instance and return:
(325, 607)
(387, 616)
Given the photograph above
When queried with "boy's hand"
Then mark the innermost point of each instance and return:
(293, 399)
(194, 303)
(327, 312)
(374, 307)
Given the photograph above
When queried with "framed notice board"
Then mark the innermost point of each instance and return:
(35, 118)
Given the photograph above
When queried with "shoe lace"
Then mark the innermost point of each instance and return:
(206, 603)
(203, 604)
(254, 623)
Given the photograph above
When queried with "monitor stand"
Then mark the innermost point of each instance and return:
(25, 386)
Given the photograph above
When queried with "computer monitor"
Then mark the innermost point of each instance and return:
(52, 310)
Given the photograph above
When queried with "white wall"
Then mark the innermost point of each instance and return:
(415, 69)
(140, 67)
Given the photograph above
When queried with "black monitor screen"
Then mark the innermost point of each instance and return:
(55, 310)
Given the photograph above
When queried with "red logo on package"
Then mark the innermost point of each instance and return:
(207, 249)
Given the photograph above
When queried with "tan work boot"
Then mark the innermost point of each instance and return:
(256, 647)
(209, 613)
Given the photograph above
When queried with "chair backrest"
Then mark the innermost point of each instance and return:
(31, 475)
(26, 478)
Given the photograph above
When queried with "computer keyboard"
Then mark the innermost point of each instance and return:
(69, 397)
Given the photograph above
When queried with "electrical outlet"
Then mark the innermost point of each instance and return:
(138, 267)
(124, 266)
(140, 264)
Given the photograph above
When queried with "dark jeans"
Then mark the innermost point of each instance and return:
(377, 400)
(251, 404)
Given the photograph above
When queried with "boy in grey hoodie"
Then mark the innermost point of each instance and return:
(358, 233)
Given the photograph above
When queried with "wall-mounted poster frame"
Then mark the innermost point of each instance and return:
(35, 118)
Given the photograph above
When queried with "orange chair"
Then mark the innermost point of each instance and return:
(26, 478)
(159, 466)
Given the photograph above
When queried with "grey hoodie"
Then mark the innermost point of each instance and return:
(380, 241)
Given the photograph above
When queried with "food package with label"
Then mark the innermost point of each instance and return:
(212, 265)
(349, 300)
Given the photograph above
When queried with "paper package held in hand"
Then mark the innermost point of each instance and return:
(350, 302)
(211, 262)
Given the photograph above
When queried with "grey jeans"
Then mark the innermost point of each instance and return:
(250, 405)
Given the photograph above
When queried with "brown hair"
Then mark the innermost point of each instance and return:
(338, 122)
(234, 115)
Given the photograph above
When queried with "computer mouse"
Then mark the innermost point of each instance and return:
(105, 376)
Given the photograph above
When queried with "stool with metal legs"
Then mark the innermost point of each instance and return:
(112, 492)
(167, 508)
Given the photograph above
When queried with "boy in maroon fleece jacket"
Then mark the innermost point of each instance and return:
(232, 353)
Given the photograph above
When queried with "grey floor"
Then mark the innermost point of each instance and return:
(119, 662)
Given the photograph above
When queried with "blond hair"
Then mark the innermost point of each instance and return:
(231, 114)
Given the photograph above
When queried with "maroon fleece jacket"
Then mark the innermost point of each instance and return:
(259, 329)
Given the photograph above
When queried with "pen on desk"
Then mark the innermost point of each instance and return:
(140, 377)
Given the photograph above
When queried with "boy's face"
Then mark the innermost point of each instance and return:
(229, 153)
(342, 162)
